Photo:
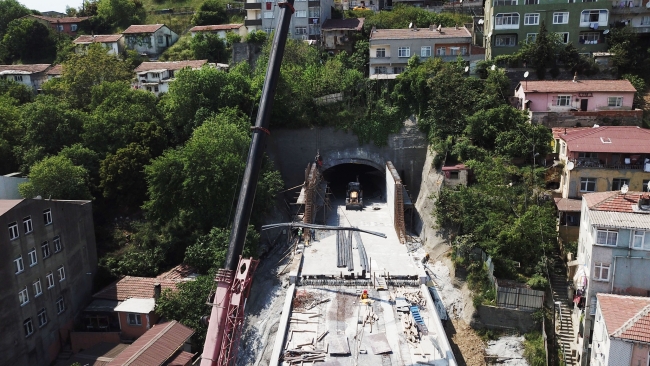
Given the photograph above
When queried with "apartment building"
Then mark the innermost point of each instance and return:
(48, 266)
(156, 76)
(632, 13)
(305, 22)
(508, 23)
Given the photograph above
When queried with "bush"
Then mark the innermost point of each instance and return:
(534, 351)
(537, 282)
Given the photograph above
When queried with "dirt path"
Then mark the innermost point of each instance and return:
(467, 345)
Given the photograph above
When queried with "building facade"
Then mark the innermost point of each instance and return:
(32, 76)
(49, 264)
(602, 159)
(613, 255)
(150, 39)
(340, 34)
(113, 43)
(156, 76)
(390, 49)
(508, 23)
(632, 13)
(67, 25)
(305, 22)
(220, 30)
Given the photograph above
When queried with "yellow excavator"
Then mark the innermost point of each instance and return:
(354, 197)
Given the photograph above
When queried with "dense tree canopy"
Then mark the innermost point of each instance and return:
(121, 13)
(10, 10)
(56, 177)
(29, 41)
(210, 12)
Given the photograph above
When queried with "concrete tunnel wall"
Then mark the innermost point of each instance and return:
(292, 149)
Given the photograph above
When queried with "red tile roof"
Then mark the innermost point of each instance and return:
(557, 131)
(207, 28)
(182, 358)
(147, 28)
(608, 139)
(55, 70)
(568, 204)
(170, 65)
(423, 33)
(32, 68)
(179, 272)
(626, 317)
(137, 287)
(60, 20)
(454, 167)
(156, 346)
(343, 24)
(614, 201)
(568, 86)
(104, 38)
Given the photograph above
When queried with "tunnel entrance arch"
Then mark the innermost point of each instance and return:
(353, 156)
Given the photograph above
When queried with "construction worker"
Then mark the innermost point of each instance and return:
(364, 295)
(299, 234)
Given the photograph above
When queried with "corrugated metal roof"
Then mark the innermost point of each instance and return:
(156, 346)
(135, 305)
(180, 359)
(622, 220)
(31, 68)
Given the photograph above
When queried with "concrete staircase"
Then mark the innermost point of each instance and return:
(564, 325)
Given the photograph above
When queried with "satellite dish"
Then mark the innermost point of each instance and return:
(466, 68)
(526, 74)
(624, 189)
(494, 67)
(411, 25)
(570, 166)
(607, 30)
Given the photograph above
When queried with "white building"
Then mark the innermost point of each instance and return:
(305, 22)
(220, 30)
(32, 76)
(150, 39)
(156, 76)
(114, 43)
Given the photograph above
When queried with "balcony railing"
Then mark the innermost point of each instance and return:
(596, 163)
(253, 6)
(252, 22)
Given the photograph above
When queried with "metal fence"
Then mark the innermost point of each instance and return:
(519, 298)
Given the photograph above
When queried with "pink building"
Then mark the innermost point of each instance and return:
(622, 331)
(567, 103)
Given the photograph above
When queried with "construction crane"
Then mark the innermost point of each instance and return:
(233, 282)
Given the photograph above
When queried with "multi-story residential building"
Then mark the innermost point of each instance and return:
(32, 76)
(156, 76)
(602, 159)
(220, 30)
(305, 22)
(567, 103)
(613, 255)
(633, 13)
(621, 331)
(67, 25)
(114, 43)
(390, 49)
(150, 39)
(49, 263)
(340, 34)
(508, 23)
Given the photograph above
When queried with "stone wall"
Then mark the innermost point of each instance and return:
(432, 181)
(492, 317)
(586, 119)
(248, 52)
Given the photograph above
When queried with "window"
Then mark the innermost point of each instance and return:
(23, 296)
(59, 28)
(301, 30)
(47, 216)
(639, 241)
(314, 29)
(134, 319)
(531, 19)
(455, 51)
(13, 230)
(564, 37)
(28, 327)
(505, 41)
(160, 39)
(463, 51)
(314, 12)
(57, 244)
(645, 20)
(404, 52)
(617, 183)
(268, 15)
(18, 78)
(33, 259)
(60, 305)
(563, 100)
(454, 175)
(50, 280)
(601, 272)
(381, 70)
(398, 69)
(45, 248)
(301, 13)
(19, 264)
(42, 318)
(73, 27)
(441, 51)
(268, 30)
(532, 2)
(589, 38)
(505, 2)
(588, 155)
(425, 51)
(27, 224)
(614, 101)
(61, 273)
(606, 237)
(381, 52)
(531, 37)
(507, 19)
(588, 17)
(37, 288)
(587, 184)
(155, 89)
(561, 18)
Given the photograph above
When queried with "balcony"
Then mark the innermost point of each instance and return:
(628, 7)
(253, 6)
(253, 22)
(633, 162)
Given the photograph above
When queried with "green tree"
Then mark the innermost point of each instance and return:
(20, 92)
(9, 134)
(541, 54)
(122, 176)
(258, 36)
(210, 12)
(56, 177)
(121, 13)
(209, 251)
(10, 10)
(85, 157)
(29, 41)
(640, 86)
(232, 38)
(209, 46)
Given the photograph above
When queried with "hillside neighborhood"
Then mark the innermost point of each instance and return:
(484, 165)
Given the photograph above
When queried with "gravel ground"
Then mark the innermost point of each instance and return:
(510, 350)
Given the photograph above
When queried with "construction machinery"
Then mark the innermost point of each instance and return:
(354, 196)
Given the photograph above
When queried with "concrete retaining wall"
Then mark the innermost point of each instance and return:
(492, 317)
(432, 181)
(586, 119)
(292, 149)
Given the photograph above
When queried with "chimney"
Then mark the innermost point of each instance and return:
(156, 291)
(565, 131)
(431, 27)
(575, 77)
